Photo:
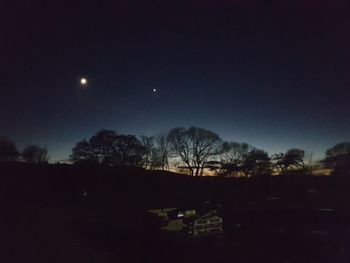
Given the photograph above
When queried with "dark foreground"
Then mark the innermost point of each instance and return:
(93, 214)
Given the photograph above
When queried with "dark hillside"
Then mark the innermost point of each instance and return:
(71, 213)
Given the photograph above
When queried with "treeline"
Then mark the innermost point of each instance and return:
(30, 153)
(197, 151)
(194, 151)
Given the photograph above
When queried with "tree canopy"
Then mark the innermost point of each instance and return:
(338, 149)
(8, 150)
(231, 157)
(292, 159)
(338, 158)
(109, 148)
(256, 162)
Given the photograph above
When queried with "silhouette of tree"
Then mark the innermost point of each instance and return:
(156, 151)
(338, 158)
(128, 151)
(103, 145)
(35, 154)
(162, 151)
(148, 144)
(256, 162)
(8, 150)
(231, 156)
(279, 162)
(194, 146)
(310, 164)
(106, 147)
(338, 149)
(83, 152)
(293, 158)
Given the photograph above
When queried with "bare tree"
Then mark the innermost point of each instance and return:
(156, 151)
(194, 146)
(148, 144)
(162, 151)
(310, 164)
(180, 146)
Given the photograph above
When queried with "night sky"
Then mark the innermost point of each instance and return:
(273, 75)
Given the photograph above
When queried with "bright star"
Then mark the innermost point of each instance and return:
(83, 81)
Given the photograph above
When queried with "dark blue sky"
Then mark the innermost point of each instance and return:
(270, 74)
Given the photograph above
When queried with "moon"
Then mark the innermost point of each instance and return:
(154, 90)
(83, 81)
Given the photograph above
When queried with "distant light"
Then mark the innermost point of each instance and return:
(180, 214)
(83, 81)
(154, 90)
